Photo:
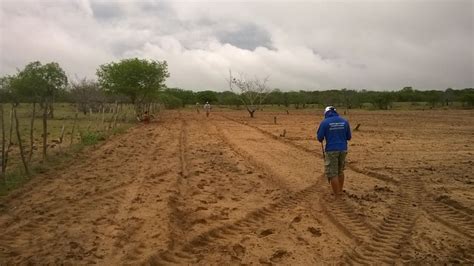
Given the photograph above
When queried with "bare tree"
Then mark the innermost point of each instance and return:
(252, 91)
(88, 95)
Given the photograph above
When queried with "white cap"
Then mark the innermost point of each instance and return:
(329, 108)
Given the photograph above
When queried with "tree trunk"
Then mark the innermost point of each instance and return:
(20, 144)
(2, 125)
(251, 112)
(32, 130)
(45, 130)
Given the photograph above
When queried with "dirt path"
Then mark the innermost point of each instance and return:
(191, 190)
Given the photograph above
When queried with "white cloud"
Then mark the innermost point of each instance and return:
(300, 45)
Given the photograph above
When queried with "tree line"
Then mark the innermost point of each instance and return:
(339, 97)
(141, 82)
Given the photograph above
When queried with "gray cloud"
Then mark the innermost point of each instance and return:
(106, 10)
(300, 45)
(247, 37)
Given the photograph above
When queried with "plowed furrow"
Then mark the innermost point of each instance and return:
(176, 223)
(372, 174)
(191, 251)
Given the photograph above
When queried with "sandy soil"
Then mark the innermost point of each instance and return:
(232, 190)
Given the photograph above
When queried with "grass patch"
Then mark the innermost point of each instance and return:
(92, 138)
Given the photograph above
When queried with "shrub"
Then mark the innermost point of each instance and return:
(91, 138)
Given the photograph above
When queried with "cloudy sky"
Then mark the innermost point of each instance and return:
(309, 45)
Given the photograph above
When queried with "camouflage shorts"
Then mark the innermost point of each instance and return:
(334, 163)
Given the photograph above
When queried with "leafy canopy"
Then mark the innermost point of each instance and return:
(136, 78)
(39, 82)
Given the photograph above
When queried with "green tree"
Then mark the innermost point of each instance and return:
(6, 91)
(275, 97)
(138, 79)
(206, 96)
(296, 98)
(229, 98)
(382, 100)
(39, 83)
(170, 101)
(185, 96)
(448, 96)
(467, 97)
(433, 97)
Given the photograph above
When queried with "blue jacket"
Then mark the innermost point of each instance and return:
(335, 130)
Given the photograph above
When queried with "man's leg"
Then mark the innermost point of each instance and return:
(342, 166)
(331, 171)
(335, 186)
(341, 182)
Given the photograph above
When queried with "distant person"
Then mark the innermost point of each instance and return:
(207, 107)
(197, 107)
(336, 131)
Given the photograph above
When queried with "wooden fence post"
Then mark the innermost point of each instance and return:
(32, 131)
(74, 126)
(20, 143)
(45, 130)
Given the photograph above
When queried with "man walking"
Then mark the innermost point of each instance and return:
(337, 132)
(197, 107)
(207, 107)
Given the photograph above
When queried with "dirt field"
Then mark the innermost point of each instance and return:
(231, 190)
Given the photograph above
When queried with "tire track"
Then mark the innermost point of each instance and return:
(177, 229)
(454, 218)
(340, 212)
(195, 248)
(389, 238)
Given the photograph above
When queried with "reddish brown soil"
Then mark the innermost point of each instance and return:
(230, 190)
